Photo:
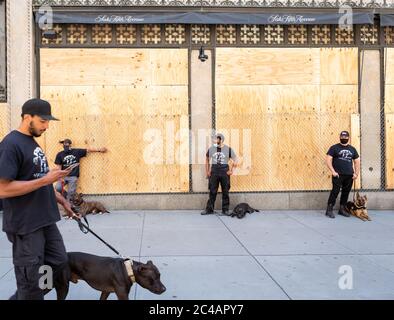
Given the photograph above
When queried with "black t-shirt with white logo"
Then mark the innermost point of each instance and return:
(220, 158)
(67, 158)
(22, 159)
(343, 157)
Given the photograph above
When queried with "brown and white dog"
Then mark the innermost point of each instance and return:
(358, 208)
(86, 207)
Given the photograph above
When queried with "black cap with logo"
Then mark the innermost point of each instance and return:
(344, 134)
(38, 107)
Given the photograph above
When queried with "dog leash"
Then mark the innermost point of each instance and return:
(85, 229)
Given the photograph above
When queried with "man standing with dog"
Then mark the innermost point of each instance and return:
(224, 160)
(343, 161)
(68, 157)
(30, 202)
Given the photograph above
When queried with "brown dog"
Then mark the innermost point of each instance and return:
(358, 208)
(87, 207)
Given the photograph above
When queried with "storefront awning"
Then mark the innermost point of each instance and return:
(387, 20)
(207, 18)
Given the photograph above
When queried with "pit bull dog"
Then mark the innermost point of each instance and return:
(110, 275)
(86, 207)
(241, 209)
(358, 208)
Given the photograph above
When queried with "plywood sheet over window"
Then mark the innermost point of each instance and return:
(389, 117)
(134, 102)
(281, 109)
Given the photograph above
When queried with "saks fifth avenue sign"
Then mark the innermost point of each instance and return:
(118, 19)
(291, 19)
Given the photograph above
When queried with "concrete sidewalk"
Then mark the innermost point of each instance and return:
(266, 255)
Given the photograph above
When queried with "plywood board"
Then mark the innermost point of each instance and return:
(389, 121)
(131, 67)
(169, 67)
(258, 66)
(137, 114)
(339, 99)
(339, 65)
(241, 100)
(293, 122)
(286, 152)
(389, 98)
(135, 161)
(389, 67)
(389, 117)
(120, 100)
(294, 98)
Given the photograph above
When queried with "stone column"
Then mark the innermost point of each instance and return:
(21, 76)
(201, 112)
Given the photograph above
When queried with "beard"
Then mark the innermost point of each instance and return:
(34, 131)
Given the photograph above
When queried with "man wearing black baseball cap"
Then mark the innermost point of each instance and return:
(343, 161)
(30, 202)
(68, 157)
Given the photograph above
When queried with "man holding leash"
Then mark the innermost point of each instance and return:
(30, 202)
(220, 171)
(68, 157)
(340, 159)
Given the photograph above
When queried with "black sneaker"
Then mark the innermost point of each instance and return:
(205, 212)
(225, 213)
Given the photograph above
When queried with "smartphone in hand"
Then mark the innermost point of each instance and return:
(72, 167)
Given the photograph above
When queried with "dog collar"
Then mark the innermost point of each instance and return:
(129, 268)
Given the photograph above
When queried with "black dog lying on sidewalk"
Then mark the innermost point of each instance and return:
(241, 209)
(110, 275)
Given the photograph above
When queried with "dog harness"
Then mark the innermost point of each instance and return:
(129, 268)
(358, 207)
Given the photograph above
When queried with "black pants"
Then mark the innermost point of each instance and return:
(345, 182)
(214, 181)
(42, 247)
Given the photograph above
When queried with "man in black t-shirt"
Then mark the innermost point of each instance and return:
(30, 203)
(220, 171)
(65, 159)
(340, 158)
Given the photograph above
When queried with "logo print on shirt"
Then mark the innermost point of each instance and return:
(345, 155)
(219, 157)
(41, 163)
(69, 160)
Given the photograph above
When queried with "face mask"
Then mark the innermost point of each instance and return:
(66, 148)
(215, 145)
(344, 141)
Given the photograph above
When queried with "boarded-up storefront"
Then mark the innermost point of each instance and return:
(294, 101)
(122, 99)
(280, 91)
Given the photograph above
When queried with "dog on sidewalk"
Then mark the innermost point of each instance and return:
(358, 208)
(86, 207)
(241, 209)
(110, 275)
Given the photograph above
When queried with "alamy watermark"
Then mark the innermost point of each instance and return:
(345, 281)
